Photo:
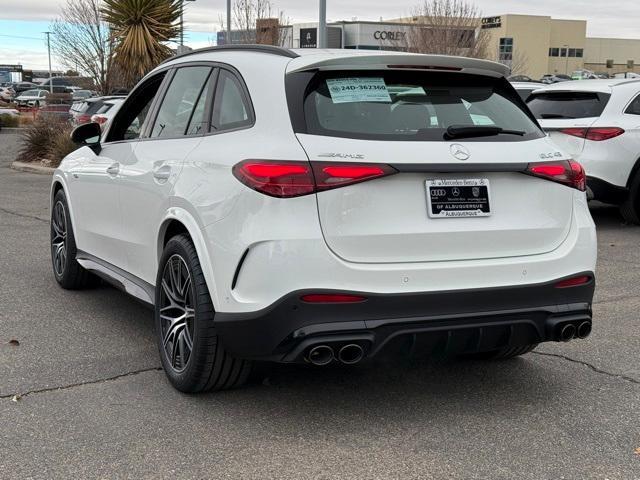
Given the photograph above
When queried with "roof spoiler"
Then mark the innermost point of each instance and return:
(400, 62)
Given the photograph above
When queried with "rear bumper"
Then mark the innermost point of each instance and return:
(451, 322)
(606, 192)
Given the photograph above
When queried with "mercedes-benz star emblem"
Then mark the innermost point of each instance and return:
(455, 192)
(460, 151)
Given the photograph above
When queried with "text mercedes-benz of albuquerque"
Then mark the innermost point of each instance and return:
(322, 206)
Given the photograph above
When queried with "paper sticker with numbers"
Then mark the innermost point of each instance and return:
(365, 89)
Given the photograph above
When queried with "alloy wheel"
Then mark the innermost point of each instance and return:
(177, 313)
(59, 238)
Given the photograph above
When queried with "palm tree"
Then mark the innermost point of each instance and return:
(139, 29)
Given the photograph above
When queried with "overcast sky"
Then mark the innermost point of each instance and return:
(28, 18)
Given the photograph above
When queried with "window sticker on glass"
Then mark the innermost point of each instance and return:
(365, 89)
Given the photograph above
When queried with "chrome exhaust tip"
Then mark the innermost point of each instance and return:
(351, 354)
(320, 355)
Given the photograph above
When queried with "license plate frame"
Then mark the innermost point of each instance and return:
(458, 197)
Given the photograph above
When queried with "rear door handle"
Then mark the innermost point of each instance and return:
(114, 169)
(162, 173)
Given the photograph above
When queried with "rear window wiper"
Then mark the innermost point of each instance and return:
(468, 131)
(546, 116)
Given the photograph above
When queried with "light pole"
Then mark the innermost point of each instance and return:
(182, 25)
(228, 37)
(322, 25)
(566, 51)
(48, 34)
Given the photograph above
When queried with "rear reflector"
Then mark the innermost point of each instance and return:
(285, 179)
(332, 298)
(596, 134)
(574, 282)
(566, 172)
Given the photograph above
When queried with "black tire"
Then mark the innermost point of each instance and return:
(66, 270)
(502, 354)
(630, 209)
(208, 366)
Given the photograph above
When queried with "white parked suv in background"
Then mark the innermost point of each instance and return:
(321, 206)
(597, 122)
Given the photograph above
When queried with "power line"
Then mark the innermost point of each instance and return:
(18, 36)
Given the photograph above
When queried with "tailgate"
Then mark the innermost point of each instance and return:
(387, 220)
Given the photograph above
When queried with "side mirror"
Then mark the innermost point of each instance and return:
(87, 135)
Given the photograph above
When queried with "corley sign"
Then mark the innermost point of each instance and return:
(389, 35)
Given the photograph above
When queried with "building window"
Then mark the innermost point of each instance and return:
(579, 52)
(506, 49)
(563, 52)
(554, 52)
(572, 52)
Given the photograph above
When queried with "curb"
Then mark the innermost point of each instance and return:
(32, 168)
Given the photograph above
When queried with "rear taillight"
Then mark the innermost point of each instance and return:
(567, 172)
(99, 119)
(596, 134)
(285, 179)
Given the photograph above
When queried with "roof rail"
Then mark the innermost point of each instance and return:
(271, 49)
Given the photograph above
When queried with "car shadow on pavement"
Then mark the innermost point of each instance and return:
(343, 395)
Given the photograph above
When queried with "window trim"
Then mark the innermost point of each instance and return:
(156, 111)
(163, 85)
(244, 91)
(168, 75)
(628, 105)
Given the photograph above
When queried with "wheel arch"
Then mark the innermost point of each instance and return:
(179, 221)
(635, 170)
(58, 184)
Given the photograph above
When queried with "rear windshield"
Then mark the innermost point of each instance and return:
(418, 106)
(104, 108)
(551, 105)
(79, 107)
(93, 107)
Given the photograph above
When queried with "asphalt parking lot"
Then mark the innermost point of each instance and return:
(93, 403)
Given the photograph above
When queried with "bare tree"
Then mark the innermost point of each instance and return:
(519, 63)
(446, 27)
(257, 21)
(81, 43)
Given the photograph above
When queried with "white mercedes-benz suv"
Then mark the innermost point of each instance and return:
(597, 122)
(322, 206)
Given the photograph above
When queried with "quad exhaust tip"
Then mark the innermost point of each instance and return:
(351, 354)
(321, 355)
(584, 330)
(567, 332)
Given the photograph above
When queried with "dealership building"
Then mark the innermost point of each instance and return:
(536, 45)
(529, 44)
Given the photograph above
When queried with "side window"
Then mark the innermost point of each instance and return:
(634, 107)
(231, 108)
(128, 122)
(182, 100)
